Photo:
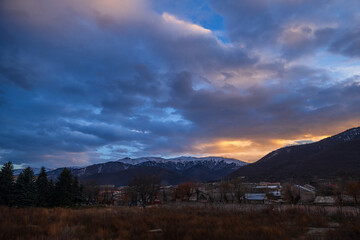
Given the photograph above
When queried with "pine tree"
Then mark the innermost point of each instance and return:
(25, 188)
(43, 189)
(64, 189)
(7, 184)
(78, 191)
(52, 194)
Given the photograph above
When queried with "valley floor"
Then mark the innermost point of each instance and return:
(182, 222)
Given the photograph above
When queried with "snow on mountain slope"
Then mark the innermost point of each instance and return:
(176, 170)
(135, 161)
(348, 135)
(183, 160)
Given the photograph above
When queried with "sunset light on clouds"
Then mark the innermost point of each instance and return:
(84, 81)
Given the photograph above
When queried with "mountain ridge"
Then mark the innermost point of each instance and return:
(338, 155)
(171, 171)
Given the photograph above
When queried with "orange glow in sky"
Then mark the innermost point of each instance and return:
(248, 150)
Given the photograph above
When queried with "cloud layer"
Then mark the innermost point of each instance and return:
(88, 81)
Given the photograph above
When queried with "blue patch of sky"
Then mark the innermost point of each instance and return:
(196, 11)
(340, 67)
(170, 115)
(114, 152)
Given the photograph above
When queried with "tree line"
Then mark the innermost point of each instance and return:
(27, 190)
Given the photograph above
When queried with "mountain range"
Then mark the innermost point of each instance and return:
(170, 171)
(336, 156)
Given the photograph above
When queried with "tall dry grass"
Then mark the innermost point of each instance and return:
(175, 223)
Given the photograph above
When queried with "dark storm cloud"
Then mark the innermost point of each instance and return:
(303, 47)
(19, 77)
(348, 44)
(299, 26)
(270, 111)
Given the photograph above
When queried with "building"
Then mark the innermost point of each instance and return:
(306, 194)
(255, 198)
(272, 190)
(325, 200)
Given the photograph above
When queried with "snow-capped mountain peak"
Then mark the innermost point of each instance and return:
(182, 159)
(173, 170)
(135, 161)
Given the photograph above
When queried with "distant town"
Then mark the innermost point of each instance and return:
(146, 190)
(236, 191)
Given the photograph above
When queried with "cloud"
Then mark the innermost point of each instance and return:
(16, 76)
(89, 81)
(261, 114)
(181, 27)
(348, 44)
(305, 25)
(301, 40)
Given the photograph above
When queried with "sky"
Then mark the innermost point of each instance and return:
(89, 81)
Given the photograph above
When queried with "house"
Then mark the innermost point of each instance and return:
(265, 187)
(270, 184)
(166, 193)
(211, 192)
(325, 200)
(255, 198)
(202, 198)
(306, 194)
(272, 190)
(275, 194)
(348, 200)
(308, 186)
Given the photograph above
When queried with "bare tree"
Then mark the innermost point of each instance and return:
(210, 196)
(130, 196)
(291, 194)
(145, 187)
(184, 191)
(107, 195)
(224, 190)
(91, 192)
(338, 190)
(238, 189)
(353, 189)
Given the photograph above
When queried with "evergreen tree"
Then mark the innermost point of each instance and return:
(52, 194)
(43, 189)
(25, 188)
(78, 191)
(64, 189)
(6, 184)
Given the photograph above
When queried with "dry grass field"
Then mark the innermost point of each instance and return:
(175, 223)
